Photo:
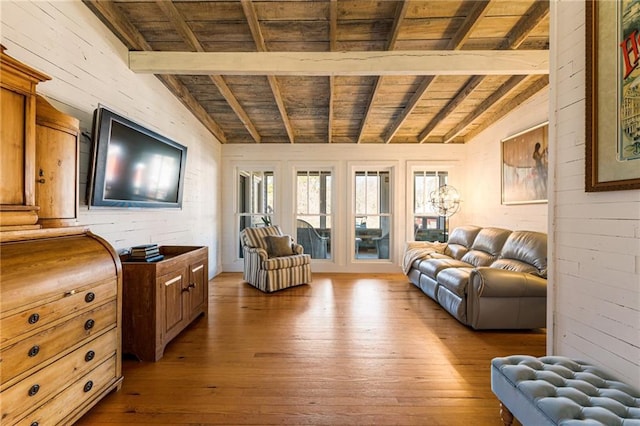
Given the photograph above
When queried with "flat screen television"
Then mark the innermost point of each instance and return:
(133, 166)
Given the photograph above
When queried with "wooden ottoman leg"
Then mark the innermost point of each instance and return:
(505, 415)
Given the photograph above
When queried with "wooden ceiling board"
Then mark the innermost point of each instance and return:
(364, 109)
(210, 11)
(291, 10)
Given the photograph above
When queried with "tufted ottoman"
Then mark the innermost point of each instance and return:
(554, 390)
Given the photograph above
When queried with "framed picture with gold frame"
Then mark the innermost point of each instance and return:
(525, 166)
(612, 159)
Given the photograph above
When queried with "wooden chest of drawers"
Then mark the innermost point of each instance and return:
(60, 333)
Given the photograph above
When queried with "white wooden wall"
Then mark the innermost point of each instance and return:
(484, 173)
(595, 282)
(88, 66)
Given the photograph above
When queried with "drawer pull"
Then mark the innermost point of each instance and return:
(34, 389)
(90, 297)
(88, 386)
(35, 424)
(33, 318)
(89, 356)
(34, 351)
(69, 293)
(89, 324)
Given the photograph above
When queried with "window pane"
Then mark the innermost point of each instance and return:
(428, 226)
(255, 199)
(372, 208)
(313, 229)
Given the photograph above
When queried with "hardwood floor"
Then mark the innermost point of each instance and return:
(346, 350)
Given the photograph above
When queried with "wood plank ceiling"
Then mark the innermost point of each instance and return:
(339, 107)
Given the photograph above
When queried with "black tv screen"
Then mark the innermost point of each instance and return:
(134, 166)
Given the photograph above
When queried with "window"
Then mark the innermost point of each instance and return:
(427, 225)
(372, 211)
(314, 212)
(256, 192)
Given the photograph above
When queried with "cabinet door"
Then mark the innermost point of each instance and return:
(56, 165)
(197, 285)
(171, 289)
(12, 147)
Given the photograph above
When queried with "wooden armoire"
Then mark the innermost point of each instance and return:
(60, 285)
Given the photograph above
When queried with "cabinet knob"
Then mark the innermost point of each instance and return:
(41, 180)
(33, 318)
(35, 424)
(88, 386)
(90, 297)
(33, 351)
(89, 356)
(34, 389)
(192, 285)
(89, 324)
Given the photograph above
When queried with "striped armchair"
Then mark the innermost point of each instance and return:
(276, 272)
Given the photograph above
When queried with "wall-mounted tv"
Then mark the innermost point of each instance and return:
(133, 166)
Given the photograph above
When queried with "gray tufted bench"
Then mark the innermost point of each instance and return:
(554, 390)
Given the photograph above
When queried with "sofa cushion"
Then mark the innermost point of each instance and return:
(455, 280)
(460, 240)
(522, 250)
(486, 247)
(432, 267)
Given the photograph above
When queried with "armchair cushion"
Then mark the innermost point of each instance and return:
(279, 246)
(290, 261)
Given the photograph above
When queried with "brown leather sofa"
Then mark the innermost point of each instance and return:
(487, 278)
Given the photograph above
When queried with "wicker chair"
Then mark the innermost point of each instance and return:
(312, 242)
(268, 270)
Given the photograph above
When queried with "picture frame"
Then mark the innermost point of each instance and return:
(525, 166)
(612, 154)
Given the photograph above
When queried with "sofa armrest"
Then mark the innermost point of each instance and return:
(256, 251)
(493, 282)
(297, 248)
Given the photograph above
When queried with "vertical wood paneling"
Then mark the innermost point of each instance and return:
(88, 67)
(483, 172)
(596, 266)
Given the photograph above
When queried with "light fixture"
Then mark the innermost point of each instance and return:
(446, 202)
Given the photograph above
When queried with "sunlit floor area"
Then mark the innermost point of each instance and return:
(347, 349)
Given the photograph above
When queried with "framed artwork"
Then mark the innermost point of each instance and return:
(525, 166)
(612, 160)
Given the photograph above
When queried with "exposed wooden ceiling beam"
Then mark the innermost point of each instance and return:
(401, 11)
(438, 62)
(484, 106)
(539, 84)
(183, 29)
(119, 24)
(333, 39)
(536, 13)
(468, 88)
(477, 13)
(256, 33)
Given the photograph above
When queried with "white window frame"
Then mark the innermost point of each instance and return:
(353, 168)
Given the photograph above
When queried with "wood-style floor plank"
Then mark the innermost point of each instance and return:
(348, 349)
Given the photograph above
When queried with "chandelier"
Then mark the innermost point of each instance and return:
(445, 201)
